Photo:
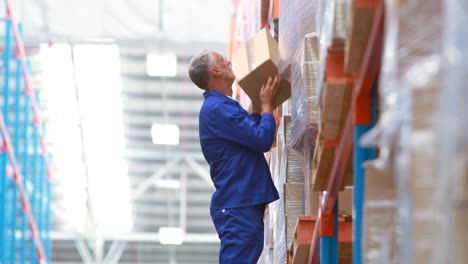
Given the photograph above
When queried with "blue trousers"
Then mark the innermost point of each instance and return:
(241, 233)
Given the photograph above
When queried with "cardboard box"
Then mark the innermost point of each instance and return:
(461, 179)
(287, 130)
(310, 74)
(314, 202)
(293, 207)
(461, 229)
(345, 251)
(322, 165)
(348, 179)
(294, 171)
(345, 202)
(361, 22)
(336, 102)
(311, 47)
(303, 233)
(381, 213)
(255, 61)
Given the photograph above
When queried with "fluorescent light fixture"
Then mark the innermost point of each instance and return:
(161, 64)
(167, 184)
(171, 235)
(165, 134)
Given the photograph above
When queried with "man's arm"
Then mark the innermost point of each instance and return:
(267, 95)
(255, 114)
(236, 126)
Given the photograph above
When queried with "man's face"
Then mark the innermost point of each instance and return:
(224, 66)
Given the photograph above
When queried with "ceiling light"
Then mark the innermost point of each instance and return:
(161, 65)
(167, 184)
(171, 235)
(165, 134)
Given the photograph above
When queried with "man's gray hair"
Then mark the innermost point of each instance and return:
(199, 69)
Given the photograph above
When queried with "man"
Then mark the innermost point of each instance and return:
(233, 143)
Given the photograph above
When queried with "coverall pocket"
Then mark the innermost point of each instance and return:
(220, 220)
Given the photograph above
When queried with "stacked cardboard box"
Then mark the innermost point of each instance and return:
(300, 246)
(311, 80)
(461, 213)
(424, 169)
(335, 105)
(277, 221)
(345, 202)
(460, 220)
(294, 185)
(361, 17)
(381, 214)
(322, 166)
(292, 161)
(310, 75)
(303, 233)
(345, 250)
(293, 207)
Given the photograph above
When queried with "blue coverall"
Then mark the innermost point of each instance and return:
(233, 143)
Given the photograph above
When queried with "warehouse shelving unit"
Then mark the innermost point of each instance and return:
(360, 119)
(25, 180)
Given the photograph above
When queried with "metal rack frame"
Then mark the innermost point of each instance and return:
(25, 176)
(324, 246)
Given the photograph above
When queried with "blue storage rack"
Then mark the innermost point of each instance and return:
(25, 186)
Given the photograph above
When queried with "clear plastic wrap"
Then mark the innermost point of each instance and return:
(268, 242)
(452, 131)
(290, 160)
(331, 26)
(389, 136)
(310, 69)
(276, 209)
(296, 21)
(293, 207)
(265, 257)
(307, 28)
(381, 214)
(409, 91)
(419, 50)
(291, 170)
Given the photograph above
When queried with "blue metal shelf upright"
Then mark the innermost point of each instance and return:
(25, 187)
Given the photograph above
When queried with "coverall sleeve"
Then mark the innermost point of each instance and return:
(236, 126)
(255, 117)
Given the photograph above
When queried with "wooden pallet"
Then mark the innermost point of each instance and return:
(298, 252)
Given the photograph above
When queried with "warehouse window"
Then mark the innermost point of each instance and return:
(63, 134)
(84, 96)
(98, 79)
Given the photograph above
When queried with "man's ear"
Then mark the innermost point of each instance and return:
(215, 72)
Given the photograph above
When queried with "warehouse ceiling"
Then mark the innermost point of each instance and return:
(136, 22)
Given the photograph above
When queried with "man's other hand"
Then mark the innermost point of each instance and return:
(268, 93)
